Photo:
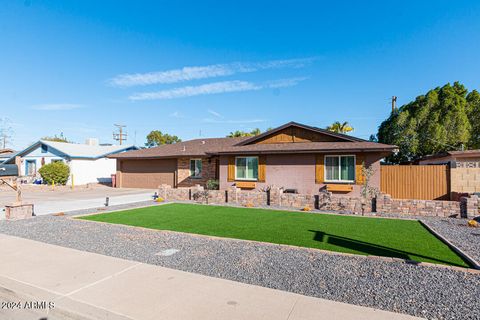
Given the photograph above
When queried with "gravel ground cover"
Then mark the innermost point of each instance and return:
(456, 231)
(431, 292)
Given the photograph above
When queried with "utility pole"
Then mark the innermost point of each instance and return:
(120, 135)
(394, 103)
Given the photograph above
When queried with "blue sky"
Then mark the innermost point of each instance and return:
(208, 68)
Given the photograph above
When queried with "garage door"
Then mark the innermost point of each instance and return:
(147, 173)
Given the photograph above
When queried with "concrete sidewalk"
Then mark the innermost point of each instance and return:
(84, 285)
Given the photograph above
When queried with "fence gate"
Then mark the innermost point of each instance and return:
(426, 182)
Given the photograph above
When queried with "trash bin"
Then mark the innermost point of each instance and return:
(114, 180)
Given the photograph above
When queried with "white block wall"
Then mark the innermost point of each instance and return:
(92, 171)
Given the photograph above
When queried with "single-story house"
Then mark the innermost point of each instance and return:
(464, 170)
(294, 156)
(5, 154)
(88, 162)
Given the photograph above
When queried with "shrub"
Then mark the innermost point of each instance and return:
(57, 172)
(306, 208)
(249, 205)
(212, 184)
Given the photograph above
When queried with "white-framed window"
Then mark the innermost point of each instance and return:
(195, 168)
(340, 168)
(246, 168)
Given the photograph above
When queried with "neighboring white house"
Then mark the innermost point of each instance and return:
(88, 162)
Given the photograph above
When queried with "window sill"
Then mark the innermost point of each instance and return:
(195, 178)
(339, 182)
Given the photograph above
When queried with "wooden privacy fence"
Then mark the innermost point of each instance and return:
(426, 182)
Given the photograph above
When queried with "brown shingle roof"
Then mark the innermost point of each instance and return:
(243, 145)
(316, 147)
(196, 147)
(215, 146)
(465, 153)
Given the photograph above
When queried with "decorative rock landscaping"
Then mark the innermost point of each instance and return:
(425, 291)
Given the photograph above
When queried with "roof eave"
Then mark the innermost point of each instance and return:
(391, 150)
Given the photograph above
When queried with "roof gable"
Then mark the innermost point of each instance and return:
(293, 132)
(70, 150)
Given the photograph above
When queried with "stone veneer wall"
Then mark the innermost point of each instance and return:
(468, 207)
(274, 198)
(410, 207)
(209, 171)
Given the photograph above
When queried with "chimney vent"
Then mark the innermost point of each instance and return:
(92, 141)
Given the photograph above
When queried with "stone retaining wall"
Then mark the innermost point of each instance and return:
(468, 207)
(273, 198)
(410, 207)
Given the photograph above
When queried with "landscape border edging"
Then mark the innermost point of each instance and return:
(459, 251)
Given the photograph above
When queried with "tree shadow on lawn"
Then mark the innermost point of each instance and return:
(371, 248)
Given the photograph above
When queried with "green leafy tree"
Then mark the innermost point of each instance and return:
(55, 138)
(57, 172)
(473, 111)
(157, 138)
(435, 122)
(339, 127)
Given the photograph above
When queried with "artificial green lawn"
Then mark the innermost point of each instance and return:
(406, 239)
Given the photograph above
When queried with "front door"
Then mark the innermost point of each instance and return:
(31, 168)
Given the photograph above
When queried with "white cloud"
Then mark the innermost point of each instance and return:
(283, 83)
(57, 106)
(214, 88)
(203, 72)
(189, 91)
(214, 113)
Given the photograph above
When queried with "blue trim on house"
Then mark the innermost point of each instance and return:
(37, 144)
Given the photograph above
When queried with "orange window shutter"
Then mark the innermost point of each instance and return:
(319, 169)
(231, 169)
(360, 160)
(262, 164)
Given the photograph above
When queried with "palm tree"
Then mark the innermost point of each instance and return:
(338, 127)
(238, 133)
(255, 132)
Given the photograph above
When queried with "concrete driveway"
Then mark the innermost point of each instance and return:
(48, 200)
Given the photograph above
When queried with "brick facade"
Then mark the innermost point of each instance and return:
(209, 171)
(275, 198)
